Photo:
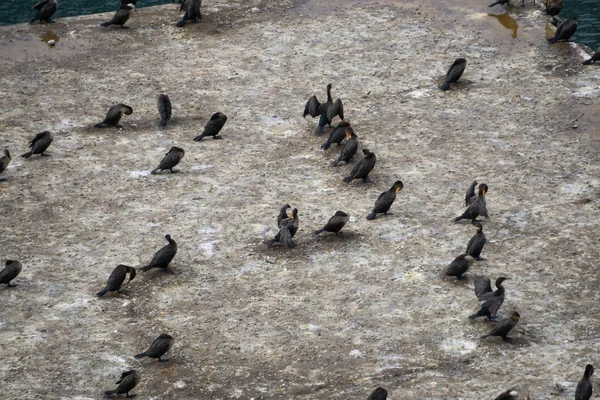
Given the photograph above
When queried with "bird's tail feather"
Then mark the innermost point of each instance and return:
(110, 392)
(319, 231)
(348, 179)
(372, 215)
(146, 268)
(319, 130)
(458, 218)
(286, 238)
(588, 62)
(485, 336)
(105, 24)
(163, 122)
(180, 23)
(445, 86)
(102, 293)
(493, 4)
(26, 155)
(138, 356)
(552, 40)
(326, 145)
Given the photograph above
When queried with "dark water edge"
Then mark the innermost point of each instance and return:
(17, 11)
(588, 14)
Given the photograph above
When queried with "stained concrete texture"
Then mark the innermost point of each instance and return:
(332, 318)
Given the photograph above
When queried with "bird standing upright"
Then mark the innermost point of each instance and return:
(46, 9)
(12, 269)
(121, 16)
(213, 126)
(454, 72)
(158, 348)
(503, 327)
(163, 257)
(327, 111)
(584, 388)
(385, 200)
(335, 224)
(363, 167)
(492, 300)
(171, 159)
(128, 381)
(39, 144)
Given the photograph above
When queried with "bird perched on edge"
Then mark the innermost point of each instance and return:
(158, 348)
(127, 381)
(584, 388)
(327, 111)
(171, 159)
(459, 266)
(114, 115)
(349, 148)
(477, 206)
(378, 394)
(595, 57)
(510, 394)
(385, 200)
(363, 167)
(476, 243)
(192, 12)
(287, 230)
(335, 224)
(337, 135)
(46, 9)
(116, 279)
(121, 16)
(565, 30)
(164, 109)
(501, 2)
(213, 126)
(503, 327)
(454, 72)
(39, 144)
(163, 257)
(4, 161)
(12, 269)
(492, 300)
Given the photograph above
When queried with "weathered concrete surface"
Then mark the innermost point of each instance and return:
(331, 319)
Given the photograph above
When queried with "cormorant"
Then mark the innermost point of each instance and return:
(492, 300)
(510, 394)
(501, 2)
(363, 167)
(39, 144)
(163, 257)
(595, 57)
(120, 17)
(459, 266)
(385, 200)
(337, 135)
(46, 9)
(164, 108)
(170, 160)
(192, 12)
(378, 394)
(287, 230)
(584, 387)
(114, 115)
(553, 7)
(283, 215)
(158, 348)
(349, 148)
(127, 381)
(470, 193)
(476, 243)
(4, 161)
(454, 72)
(473, 196)
(328, 110)
(477, 207)
(11, 270)
(116, 279)
(565, 30)
(213, 126)
(503, 327)
(335, 224)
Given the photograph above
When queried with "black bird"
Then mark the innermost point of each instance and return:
(385, 200)
(327, 111)
(46, 9)
(170, 160)
(283, 215)
(192, 12)
(164, 108)
(213, 126)
(363, 167)
(335, 224)
(565, 30)
(116, 279)
(454, 72)
(378, 394)
(503, 327)
(459, 266)
(163, 257)
(11, 270)
(473, 196)
(477, 207)
(287, 230)
(476, 243)
(127, 381)
(501, 2)
(470, 193)
(595, 57)
(349, 148)
(39, 144)
(553, 7)
(584, 388)
(114, 115)
(337, 135)
(492, 300)
(510, 394)
(158, 348)
(4, 161)
(121, 16)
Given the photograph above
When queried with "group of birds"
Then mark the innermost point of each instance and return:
(288, 224)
